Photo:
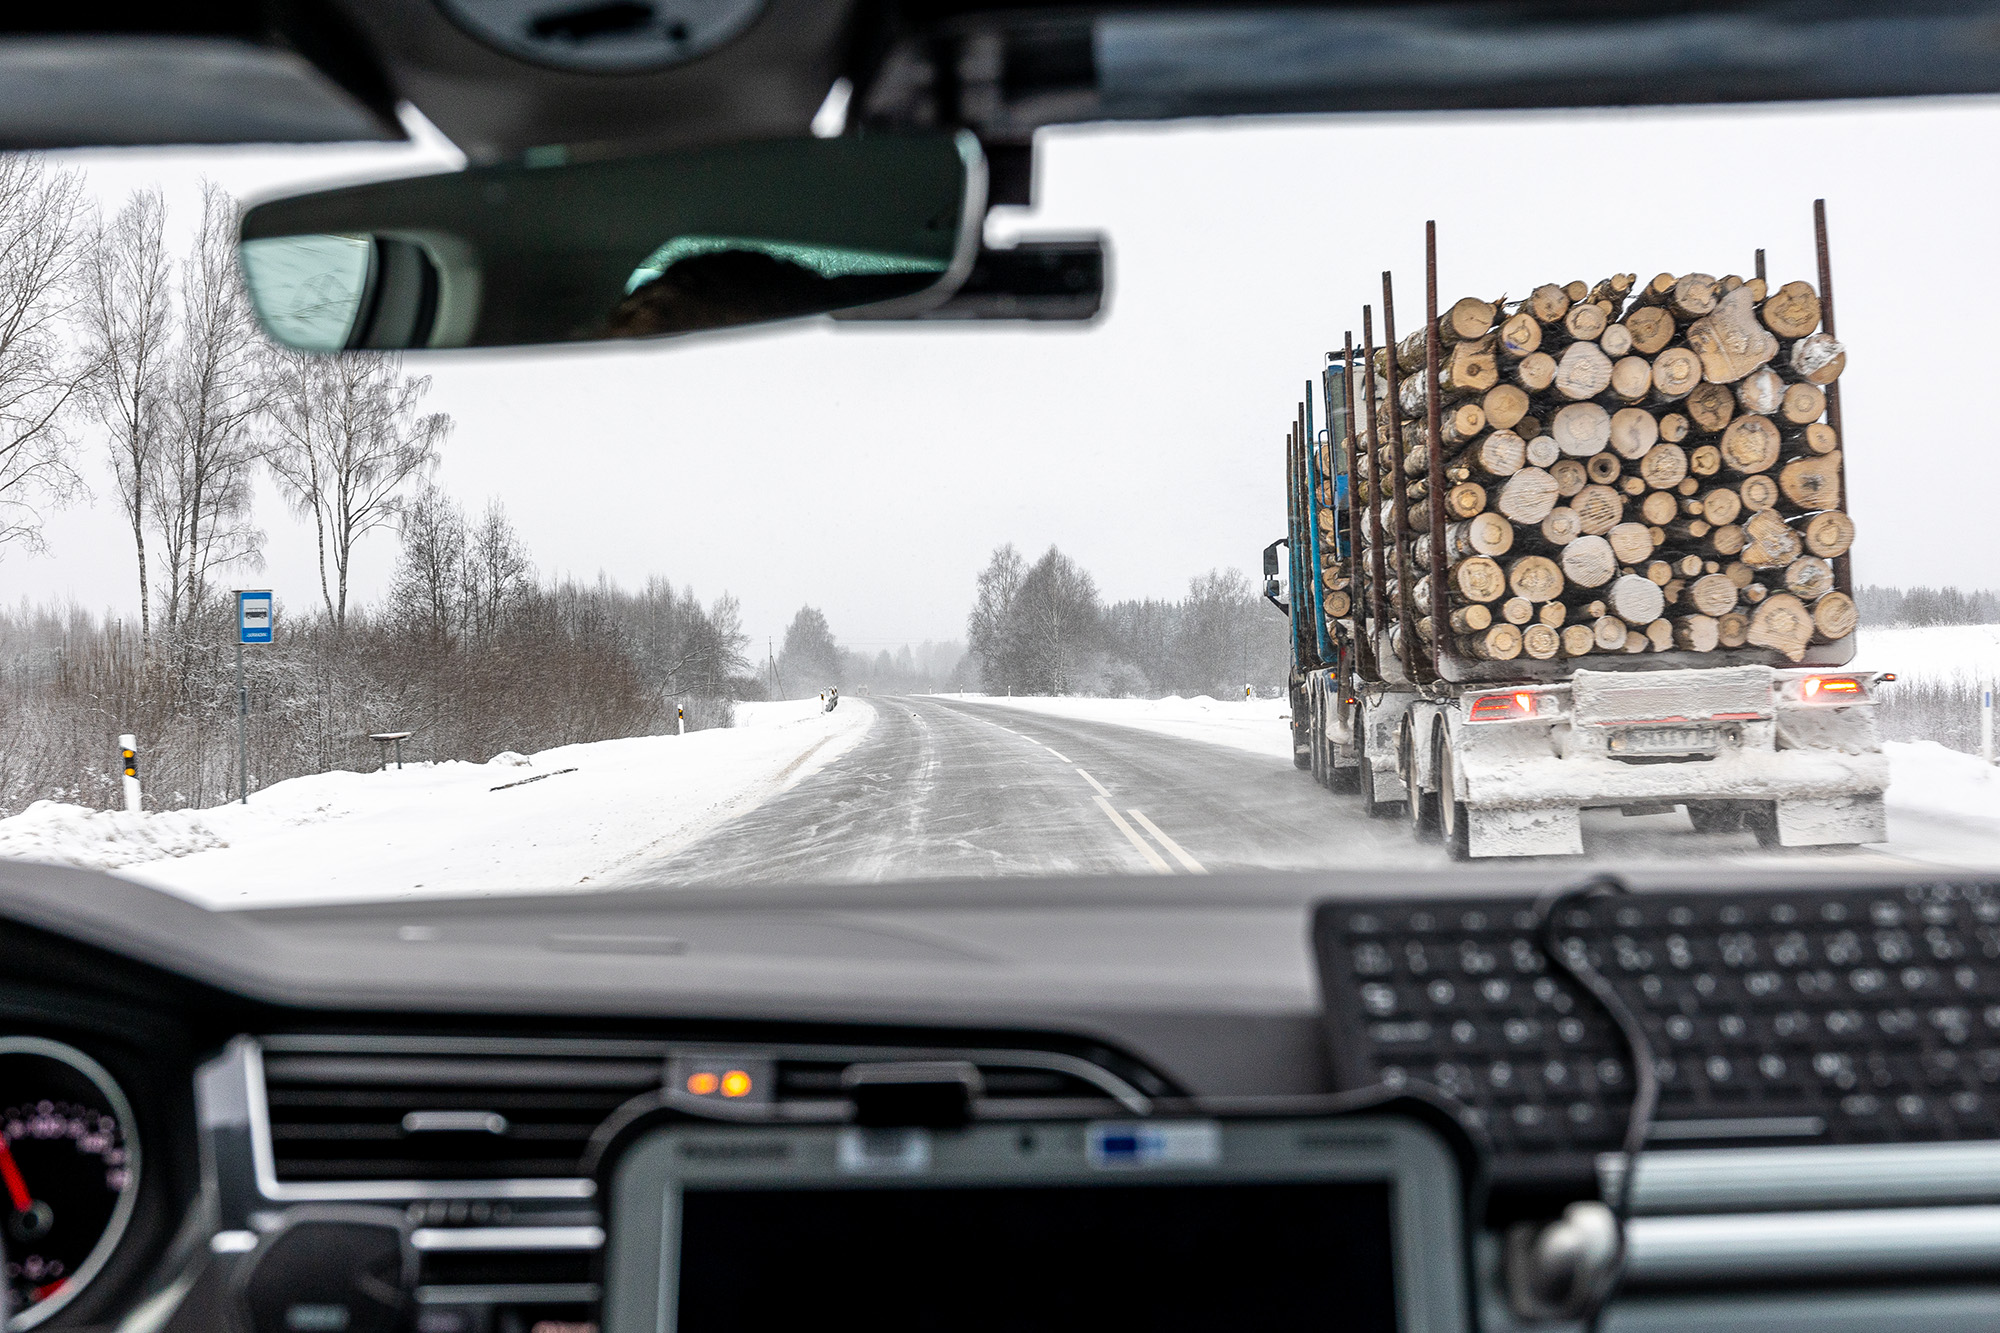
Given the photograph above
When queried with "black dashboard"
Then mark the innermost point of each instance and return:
(414, 1115)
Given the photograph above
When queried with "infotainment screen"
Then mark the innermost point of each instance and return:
(1350, 1224)
(1139, 1256)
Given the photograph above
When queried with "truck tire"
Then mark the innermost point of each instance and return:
(1421, 806)
(1454, 825)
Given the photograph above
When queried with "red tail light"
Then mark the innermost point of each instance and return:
(1831, 689)
(1503, 707)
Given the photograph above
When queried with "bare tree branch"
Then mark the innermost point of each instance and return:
(216, 393)
(41, 248)
(125, 321)
(347, 439)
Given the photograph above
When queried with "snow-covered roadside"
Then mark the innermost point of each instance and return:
(1261, 726)
(572, 816)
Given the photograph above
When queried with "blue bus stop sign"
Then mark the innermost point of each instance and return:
(253, 617)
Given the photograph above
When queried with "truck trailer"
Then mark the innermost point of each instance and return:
(1613, 568)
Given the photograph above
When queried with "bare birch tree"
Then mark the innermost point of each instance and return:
(427, 594)
(216, 393)
(41, 246)
(347, 439)
(1058, 622)
(125, 323)
(987, 628)
(498, 572)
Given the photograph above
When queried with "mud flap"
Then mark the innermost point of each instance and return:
(1504, 832)
(1832, 820)
(1380, 726)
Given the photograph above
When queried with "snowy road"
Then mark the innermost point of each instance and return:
(959, 787)
(944, 787)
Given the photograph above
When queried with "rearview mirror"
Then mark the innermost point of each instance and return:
(707, 238)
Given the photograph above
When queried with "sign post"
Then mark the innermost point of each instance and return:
(253, 625)
(1986, 725)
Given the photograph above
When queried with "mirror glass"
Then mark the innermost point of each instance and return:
(701, 239)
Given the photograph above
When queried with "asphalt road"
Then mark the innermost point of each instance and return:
(947, 788)
(943, 788)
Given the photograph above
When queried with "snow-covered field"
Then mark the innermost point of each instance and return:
(1261, 726)
(1940, 653)
(582, 815)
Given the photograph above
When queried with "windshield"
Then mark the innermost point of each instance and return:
(1234, 577)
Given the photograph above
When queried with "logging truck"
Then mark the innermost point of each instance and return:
(1607, 566)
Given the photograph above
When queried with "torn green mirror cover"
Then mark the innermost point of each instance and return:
(694, 240)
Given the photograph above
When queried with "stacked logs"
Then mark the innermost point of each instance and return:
(1627, 467)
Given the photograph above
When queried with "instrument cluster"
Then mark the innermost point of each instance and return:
(69, 1165)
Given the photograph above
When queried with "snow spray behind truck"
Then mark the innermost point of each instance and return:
(1607, 565)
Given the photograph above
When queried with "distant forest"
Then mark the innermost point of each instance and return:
(1915, 607)
(1042, 628)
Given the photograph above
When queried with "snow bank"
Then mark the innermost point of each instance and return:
(571, 816)
(1261, 726)
(1927, 778)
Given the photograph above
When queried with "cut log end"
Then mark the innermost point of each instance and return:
(1834, 617)
(1782, 623)
(1589, 562)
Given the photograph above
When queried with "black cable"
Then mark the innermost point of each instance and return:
(1590, 1303)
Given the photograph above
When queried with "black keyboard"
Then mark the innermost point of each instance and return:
(1835, 1016)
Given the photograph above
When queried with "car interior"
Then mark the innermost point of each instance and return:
(1748, 1099)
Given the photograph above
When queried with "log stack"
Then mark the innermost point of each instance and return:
(1628, 467)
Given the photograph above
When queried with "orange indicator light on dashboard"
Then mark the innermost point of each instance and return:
(736, 1083)
(703, 1084)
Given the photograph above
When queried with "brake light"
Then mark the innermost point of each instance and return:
(1830, 689)
(1503, 707)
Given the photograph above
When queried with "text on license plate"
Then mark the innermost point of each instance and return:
(1666, 740)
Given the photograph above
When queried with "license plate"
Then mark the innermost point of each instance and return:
(1666, 740)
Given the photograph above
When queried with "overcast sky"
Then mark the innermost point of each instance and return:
(869, 472)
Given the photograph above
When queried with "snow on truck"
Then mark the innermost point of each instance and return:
(1613, 570)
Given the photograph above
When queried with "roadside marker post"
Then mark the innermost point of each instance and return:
(1986, 725)
(253, 625)
(128, 760)
(680, 719)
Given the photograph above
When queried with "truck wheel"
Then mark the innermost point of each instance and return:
(1421, 806)
(1453, 821)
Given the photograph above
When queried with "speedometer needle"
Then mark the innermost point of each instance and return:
(17, 1188)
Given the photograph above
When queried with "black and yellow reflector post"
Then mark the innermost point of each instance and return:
(128, 763)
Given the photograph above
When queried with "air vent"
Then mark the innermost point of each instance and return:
(356, 1117)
